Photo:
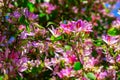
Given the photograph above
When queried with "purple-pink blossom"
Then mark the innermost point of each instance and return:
(22, 64)
(102, 75)
(55, 32)
(25, 34)
(110, 39)
(16, 14)
(48, 7)
(64, 72)
(30, 15)
(76, 26)
(118, 58)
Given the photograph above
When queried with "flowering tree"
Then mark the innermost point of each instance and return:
(59, 40)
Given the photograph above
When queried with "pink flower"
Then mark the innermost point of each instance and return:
(70, 57)
(30, 15)
(110, 39)
(48, 64)
(83, 26)
(37, 63)
(109, 58)
(92, 62)
(10, 5)
(118, 58)
(22, 64)
(0, 65)
(64, 73)
(77, 26)
(87, 47)
(32, 1)
(24, 34)
(68, 27)
(84, 78)
(4, 55)
(102, 75)
(112, 73)
(75, 9)
(55, 32)
(21, 27)
(14, 55)
(2, 38)
(116, 24)
(48, 7)
(16, 14)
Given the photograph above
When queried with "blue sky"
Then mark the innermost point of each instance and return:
(115, 10)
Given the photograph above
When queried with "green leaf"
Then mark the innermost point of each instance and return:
(16, 4)
(85, 75)
(118, 73)
(28, 29)
(113, 32)
(94, 53)
(42, 14)
(19, 78)
(52, 38)
(24, 21)
(34, 70)
(37, 25)
(98, 42)
(52, 53)
(27, 26)
(82, 0)
(38, 1)
(59, 38)
(47, 17)
(67, 47)
(31, 6)
(91, 76)
(77, 66)
(22, 3)
(1, 77)
(56, 38)
(62, 63)
(70, 1)
(21, 19)
(51, 23)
